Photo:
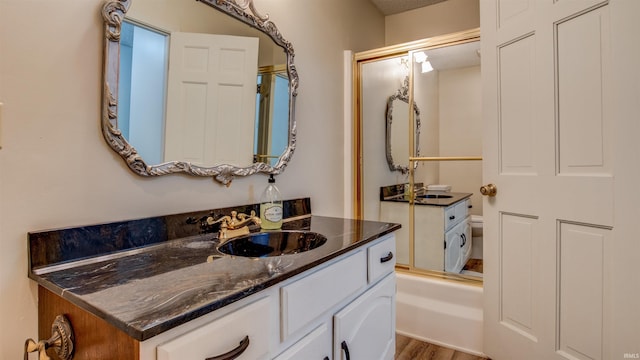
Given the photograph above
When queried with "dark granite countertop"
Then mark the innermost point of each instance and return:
(433, 198)
(395, 193)
(147, 290)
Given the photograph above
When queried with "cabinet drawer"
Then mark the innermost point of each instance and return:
(225, 334)
(308, 298)
(455, 213)
(449, 217)
(381, 258)
(316, 345)
(462, 210)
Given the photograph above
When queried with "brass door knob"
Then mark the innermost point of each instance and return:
(489, 190)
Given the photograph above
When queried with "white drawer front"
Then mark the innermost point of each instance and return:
(382, 258)
(225, 334)
(462, 210)
(449, 217)
(306, 299)
(316, 345)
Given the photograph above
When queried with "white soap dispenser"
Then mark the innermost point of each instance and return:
(271, 207)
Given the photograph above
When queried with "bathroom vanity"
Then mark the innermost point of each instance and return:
(157, 288)
(442, 227)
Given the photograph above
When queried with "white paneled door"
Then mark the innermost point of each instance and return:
(555, 115)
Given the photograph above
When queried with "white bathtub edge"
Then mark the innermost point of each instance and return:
(426, 311)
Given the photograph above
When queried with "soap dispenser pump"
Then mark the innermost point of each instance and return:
(271, 207)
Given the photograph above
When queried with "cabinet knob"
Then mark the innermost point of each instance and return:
(489, 190)
(61, 341)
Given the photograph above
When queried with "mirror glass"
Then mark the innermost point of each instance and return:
(397, 128)
(451, 81)
(448, 91)
(203, 87)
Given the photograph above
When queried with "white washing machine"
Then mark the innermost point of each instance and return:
(457, 246)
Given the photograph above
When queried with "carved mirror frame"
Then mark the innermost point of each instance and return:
(113, 13)
(401, 94)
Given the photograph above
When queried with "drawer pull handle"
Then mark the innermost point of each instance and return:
(386, 258)
(345, 347)
(233, 354)
(326, 358)
(452, 217)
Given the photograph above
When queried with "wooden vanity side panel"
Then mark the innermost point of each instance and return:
(95, 339)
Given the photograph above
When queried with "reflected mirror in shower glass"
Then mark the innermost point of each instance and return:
(397, 127)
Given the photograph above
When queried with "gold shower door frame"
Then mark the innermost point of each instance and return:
(381, 54)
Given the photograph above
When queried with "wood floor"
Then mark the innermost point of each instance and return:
(474, 265)
(411, 349)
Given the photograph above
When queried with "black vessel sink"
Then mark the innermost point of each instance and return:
(272, 243)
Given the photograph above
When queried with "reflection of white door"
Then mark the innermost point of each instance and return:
(556, 282)
(211, 99)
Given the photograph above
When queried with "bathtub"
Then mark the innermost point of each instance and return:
(440, 312)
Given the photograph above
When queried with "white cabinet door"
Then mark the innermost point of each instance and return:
(365, 329)
(315, 346)
(396, 212)
(429, 237)
(453, 245)
(467, 240)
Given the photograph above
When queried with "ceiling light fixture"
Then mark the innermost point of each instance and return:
(426, 67)
(421, 58)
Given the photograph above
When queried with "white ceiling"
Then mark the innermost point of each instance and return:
(390, 7)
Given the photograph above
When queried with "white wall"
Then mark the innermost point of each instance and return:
(442, 18)
(57, 171)
(460, 97)
(426, 97)
(188, 16)
(380, 79)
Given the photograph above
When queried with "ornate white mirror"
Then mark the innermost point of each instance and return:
(397, 128)
(203, 87)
